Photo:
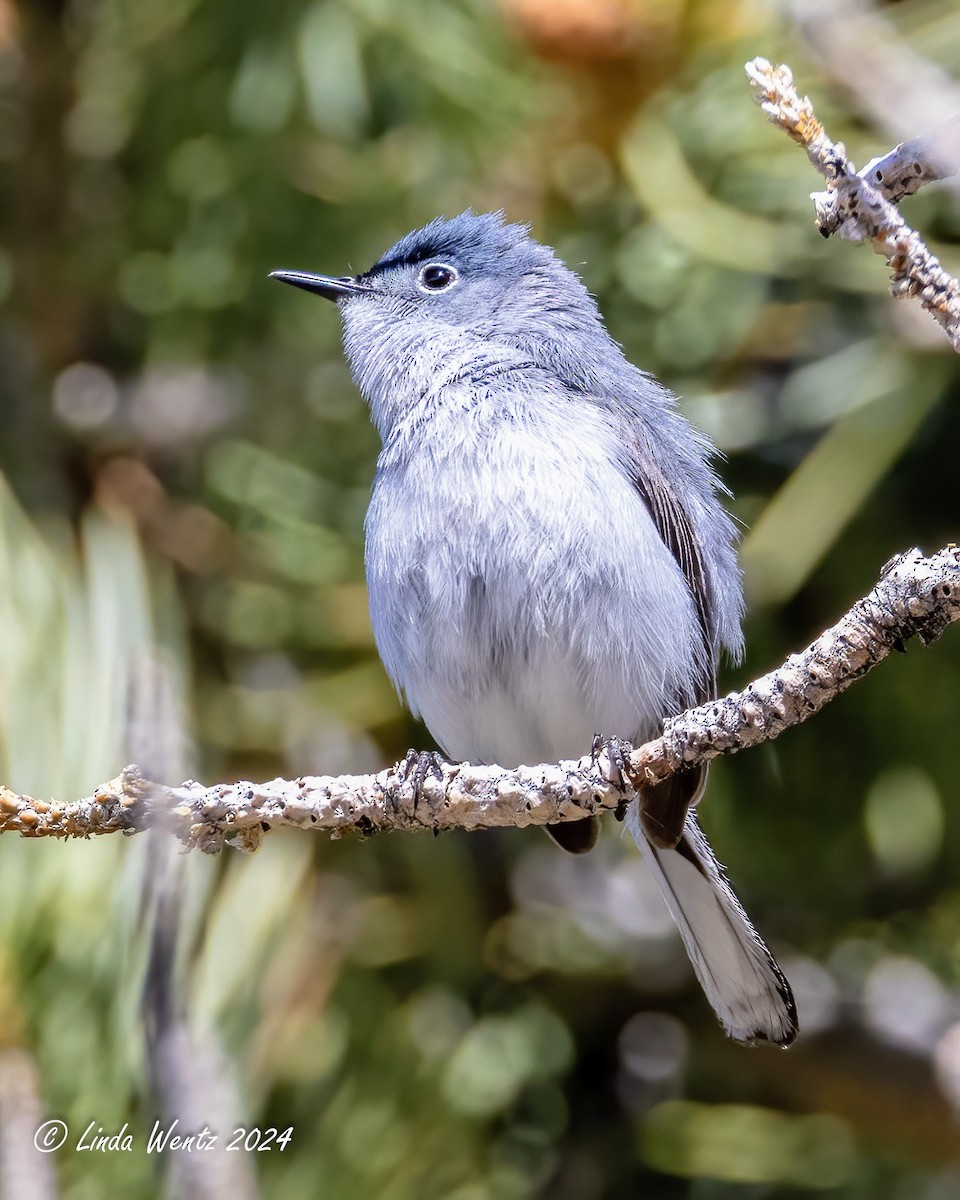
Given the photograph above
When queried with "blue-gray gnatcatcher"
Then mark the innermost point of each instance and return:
(547, 556)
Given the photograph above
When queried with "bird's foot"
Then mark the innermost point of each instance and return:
(416, 765)
(617, 751)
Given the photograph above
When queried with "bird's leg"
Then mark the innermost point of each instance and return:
(617, 751)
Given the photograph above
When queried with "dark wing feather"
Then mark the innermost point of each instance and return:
(576, 836)
(663, 808)
(674, 527)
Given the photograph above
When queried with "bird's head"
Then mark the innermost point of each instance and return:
(456, 299)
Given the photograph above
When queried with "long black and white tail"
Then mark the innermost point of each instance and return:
(748, 991)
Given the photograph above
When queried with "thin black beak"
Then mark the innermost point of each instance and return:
(322, 285)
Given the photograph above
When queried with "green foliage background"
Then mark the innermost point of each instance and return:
(187, 466)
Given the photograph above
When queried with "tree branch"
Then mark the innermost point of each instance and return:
(907, 167)
(859, 206)
(916, 596)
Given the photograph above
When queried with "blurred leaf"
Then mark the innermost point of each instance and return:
(654, 165)
(749, 1145)
(805, 517)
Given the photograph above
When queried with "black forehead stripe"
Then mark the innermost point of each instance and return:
(418, 254)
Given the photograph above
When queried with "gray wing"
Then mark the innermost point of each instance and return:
(663, 808)
(674, 526)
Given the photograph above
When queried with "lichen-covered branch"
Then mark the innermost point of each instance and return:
(916, 596)
(907, 167)
(860, 206)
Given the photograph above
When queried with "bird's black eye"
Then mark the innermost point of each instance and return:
(437, 277)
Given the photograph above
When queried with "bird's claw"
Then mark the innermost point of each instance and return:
(617, 751)
(416, 765)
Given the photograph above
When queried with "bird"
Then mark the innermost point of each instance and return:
(547, 551)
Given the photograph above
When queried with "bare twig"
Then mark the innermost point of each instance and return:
(854, 207)
(916, 596)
